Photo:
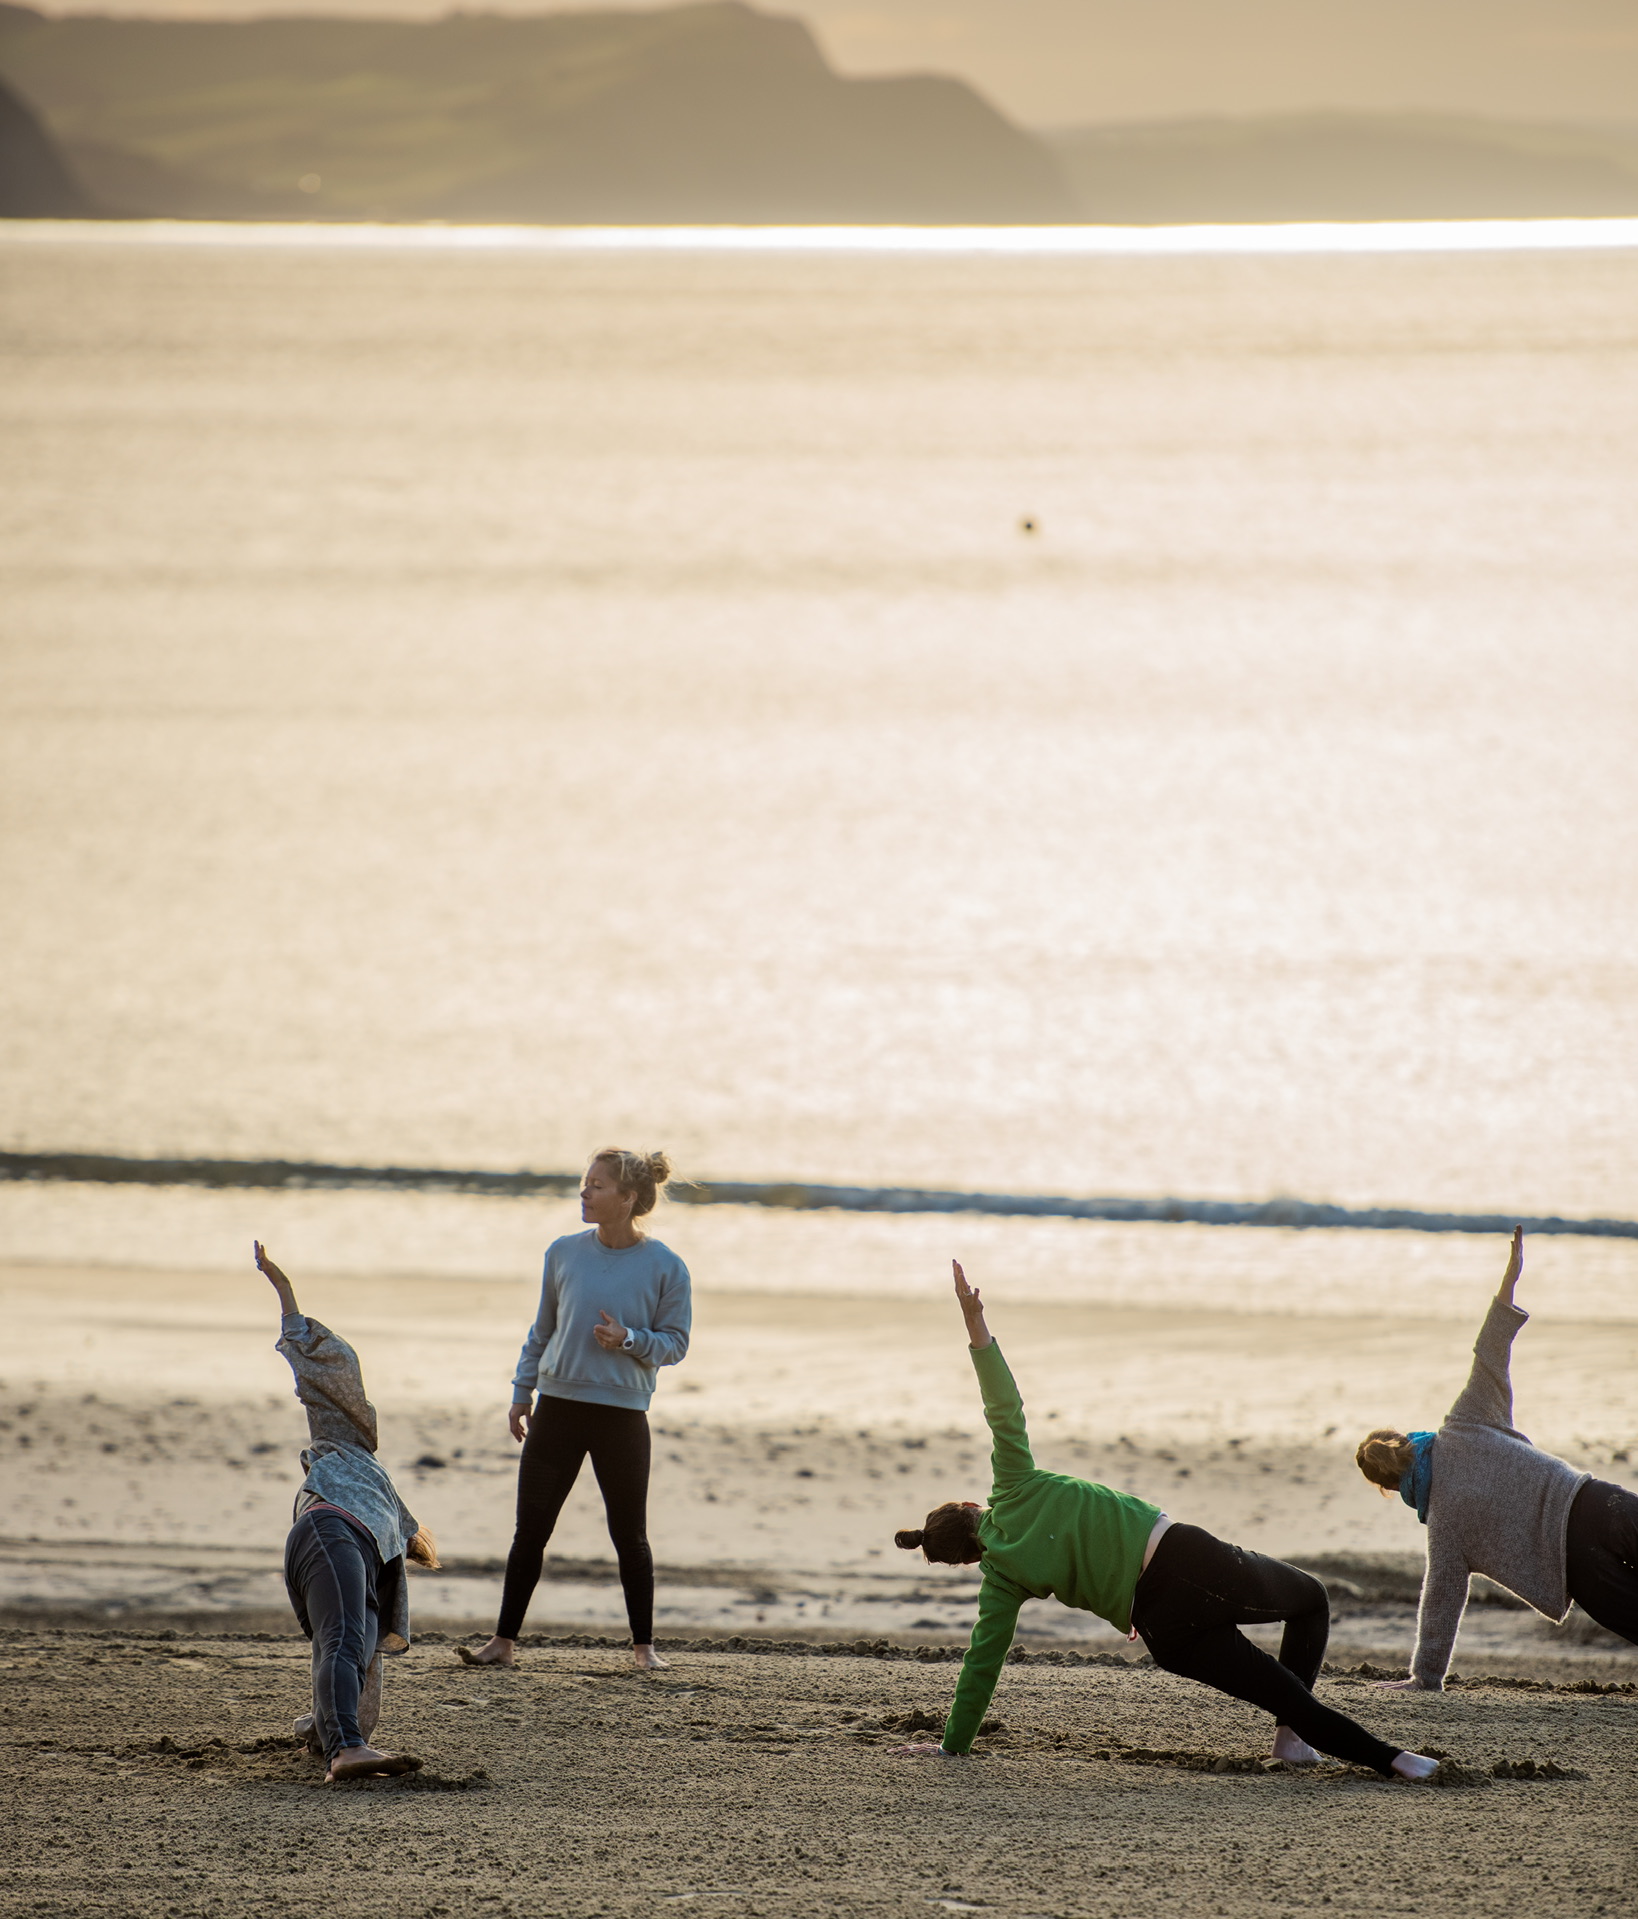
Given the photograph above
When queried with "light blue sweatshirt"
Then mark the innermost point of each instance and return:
(644, 1287)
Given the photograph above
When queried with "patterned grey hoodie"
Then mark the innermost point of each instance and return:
(340, 1463)
(1499, 1506)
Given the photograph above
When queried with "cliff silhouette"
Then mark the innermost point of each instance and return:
(711, 112)
(701, 113)
(36, 182)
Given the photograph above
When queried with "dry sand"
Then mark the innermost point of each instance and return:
(148, 1777)
(151, 1441)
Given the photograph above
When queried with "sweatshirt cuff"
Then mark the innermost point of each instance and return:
(293, 1323)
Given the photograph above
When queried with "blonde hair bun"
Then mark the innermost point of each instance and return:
(642, 1174)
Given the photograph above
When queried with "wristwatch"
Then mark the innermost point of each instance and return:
(629, 1341)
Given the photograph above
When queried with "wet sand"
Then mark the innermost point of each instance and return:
(151, 1442)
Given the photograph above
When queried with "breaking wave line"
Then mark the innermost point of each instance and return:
(793, 1195)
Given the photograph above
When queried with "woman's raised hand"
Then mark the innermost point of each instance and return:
(1515, 1264)
(971, 1303)
(281, 1285)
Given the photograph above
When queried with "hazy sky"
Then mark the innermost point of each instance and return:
(1053, 62)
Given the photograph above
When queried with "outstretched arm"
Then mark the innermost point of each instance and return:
(281, 1285)
(1487, 1399)
(328, 1381)
(1010, 1457)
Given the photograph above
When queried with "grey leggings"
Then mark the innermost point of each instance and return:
(332, 1572)
(1188, 1607)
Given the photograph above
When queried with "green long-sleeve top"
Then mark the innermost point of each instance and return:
(1044, 1535)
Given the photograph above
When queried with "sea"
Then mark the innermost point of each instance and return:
(1148, 716)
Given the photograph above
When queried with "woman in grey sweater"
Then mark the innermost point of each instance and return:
(615, 1306)
(1494, 1504)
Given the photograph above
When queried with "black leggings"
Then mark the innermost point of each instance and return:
(332, 1573)
(1188, 1605)
(561, 1433)
(1601, 1556)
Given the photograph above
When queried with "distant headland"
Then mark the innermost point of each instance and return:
(713, 113)
(710, 113)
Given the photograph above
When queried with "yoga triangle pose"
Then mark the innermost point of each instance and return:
(1494, 1504)
(1187, 1594)
(344, 1557)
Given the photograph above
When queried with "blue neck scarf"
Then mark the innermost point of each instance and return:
(1417, 1482)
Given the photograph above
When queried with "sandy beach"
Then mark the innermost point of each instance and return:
(152, 1451)
(156, 1778)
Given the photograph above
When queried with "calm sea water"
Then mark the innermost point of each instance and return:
(465, 706)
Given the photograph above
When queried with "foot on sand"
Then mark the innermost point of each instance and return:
(306, 1730)
(1415, 1765)
(364, 1762)
(1294, 1751)
(646, 1659)
(497, 1653)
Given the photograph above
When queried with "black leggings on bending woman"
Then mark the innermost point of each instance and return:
(1601, 1556)
(561, 1433)
(1188, 1607)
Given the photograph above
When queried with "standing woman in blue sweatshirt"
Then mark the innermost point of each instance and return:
(614, 1308)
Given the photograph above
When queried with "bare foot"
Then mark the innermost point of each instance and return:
(364, 1762)
(497, 1653)
(646, 1659)
(1414, 1765)
(306, 1730)
(1294, 1751)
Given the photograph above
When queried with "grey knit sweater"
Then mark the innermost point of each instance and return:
(1499, 1506)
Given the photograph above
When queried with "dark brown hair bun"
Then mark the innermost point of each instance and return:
(908, 1541)
(1385, 1456)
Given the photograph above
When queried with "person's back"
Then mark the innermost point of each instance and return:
(1048, 1534)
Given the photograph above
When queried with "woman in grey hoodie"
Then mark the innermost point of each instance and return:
(1494, 1504)
(344, 1558)
(615, 1306)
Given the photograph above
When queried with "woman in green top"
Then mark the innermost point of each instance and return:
(1186, 1593)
